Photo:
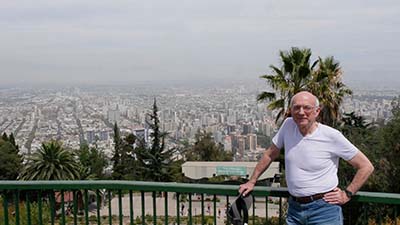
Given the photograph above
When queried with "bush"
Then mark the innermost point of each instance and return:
(34, 212)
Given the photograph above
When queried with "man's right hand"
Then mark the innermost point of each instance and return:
(269, 155)
(246, 188)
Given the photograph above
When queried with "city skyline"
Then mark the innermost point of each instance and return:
(101, 42)
(230, 112)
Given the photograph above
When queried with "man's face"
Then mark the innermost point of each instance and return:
(303, 110)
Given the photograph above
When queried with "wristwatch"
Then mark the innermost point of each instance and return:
(349, 194)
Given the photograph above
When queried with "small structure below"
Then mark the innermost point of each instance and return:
(197, 170)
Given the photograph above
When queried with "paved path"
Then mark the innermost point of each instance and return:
(273, 209)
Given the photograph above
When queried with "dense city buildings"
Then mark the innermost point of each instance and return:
(86, 114)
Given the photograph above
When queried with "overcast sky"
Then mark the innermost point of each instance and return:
(101, 41)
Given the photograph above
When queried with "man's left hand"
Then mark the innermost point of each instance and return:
(336, 197)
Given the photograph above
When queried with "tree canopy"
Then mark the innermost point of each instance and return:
(10, 159)
(297, 72)
(51, 162)
(205, 149)
(386, 177)
(93, 162)
(156, 161)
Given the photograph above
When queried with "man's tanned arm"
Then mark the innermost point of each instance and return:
(269, 156)
(364, 170)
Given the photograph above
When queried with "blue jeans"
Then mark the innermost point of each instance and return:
(317, 212)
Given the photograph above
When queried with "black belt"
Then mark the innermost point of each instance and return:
(308, 199)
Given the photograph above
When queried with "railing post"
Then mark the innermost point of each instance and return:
(254, 210)
(280, 210)
(28, 209)
(16, 203)
(190, 209)
(98, 205)
(154, 208)
(143, 209)
(121, 216)
(214, 209)
(52, 207)
(5, 207)
(178, 220)
(130, 207)
(226, 209)
(202, 209)
(109, 207)
(365, 214)
(75, 203)
(266, 209)
(62, 207)
(166, 207)
(86, 204)
(40, 206)
(380, 218)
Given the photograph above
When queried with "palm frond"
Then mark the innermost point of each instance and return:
(277, 104)
(266, 96)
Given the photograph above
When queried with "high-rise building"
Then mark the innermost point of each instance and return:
(141, 133)
(113, 115)
(252, 139)
(227, 143)
(266, 129)
(221, 118)
(217, 136)
(241, 144)
(104, 135)
(246, 128)
(230, 128)
(196, 124)
(90, 136)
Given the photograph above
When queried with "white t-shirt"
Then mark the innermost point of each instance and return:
(312, 161)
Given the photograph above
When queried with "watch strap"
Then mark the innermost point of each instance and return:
(349, 194)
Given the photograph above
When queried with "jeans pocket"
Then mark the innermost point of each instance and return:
(326, 214)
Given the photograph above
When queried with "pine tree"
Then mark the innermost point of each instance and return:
(4, 136)
(155, 161)
(128, 158)
(10, 159)
(157, 137)
(12, 140)
(116, 159)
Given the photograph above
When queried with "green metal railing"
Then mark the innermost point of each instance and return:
(134, 202)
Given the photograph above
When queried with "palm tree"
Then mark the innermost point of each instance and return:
(327, 85)
(298, 74)
(51, 162)
(293, 76)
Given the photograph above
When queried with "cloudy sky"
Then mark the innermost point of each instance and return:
(99, 41)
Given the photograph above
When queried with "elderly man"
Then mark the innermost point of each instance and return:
(312, 152)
